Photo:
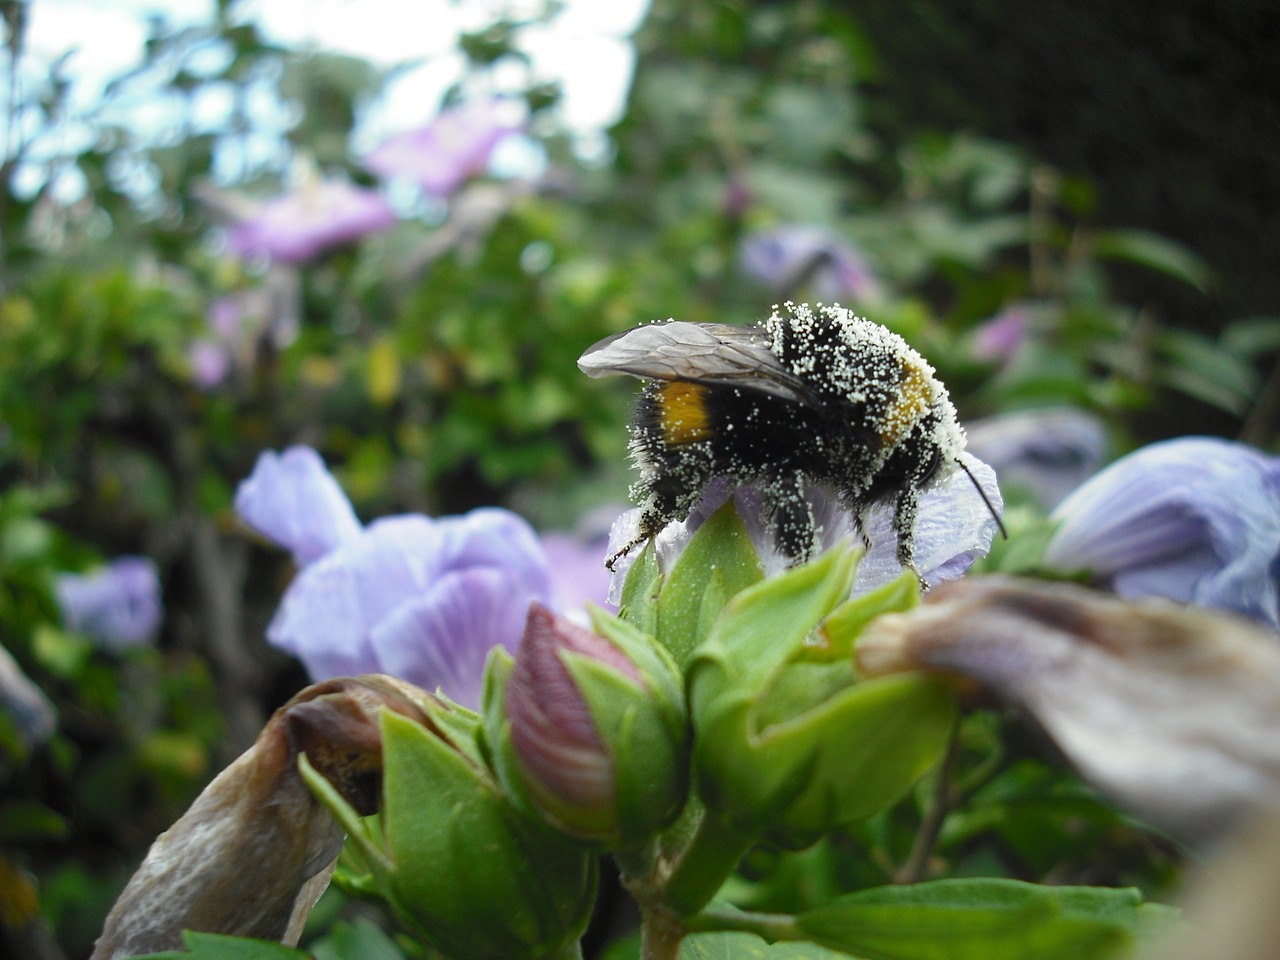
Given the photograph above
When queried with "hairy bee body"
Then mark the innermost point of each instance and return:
(810, 397)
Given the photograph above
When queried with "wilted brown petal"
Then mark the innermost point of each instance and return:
(1172, 711)
(255, 850)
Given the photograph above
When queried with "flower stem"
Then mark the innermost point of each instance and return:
(710, 856)
(941, 801)
(770, 926)
(660, 933)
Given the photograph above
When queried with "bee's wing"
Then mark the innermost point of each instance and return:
(699, 352)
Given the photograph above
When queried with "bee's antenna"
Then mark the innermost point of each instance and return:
(983, 494)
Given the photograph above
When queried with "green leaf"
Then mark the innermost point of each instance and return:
(1156, 252)
(978, 919)
(217, 946)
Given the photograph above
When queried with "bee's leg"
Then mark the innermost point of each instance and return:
(791, 518)
(860, 528)
(905, 509)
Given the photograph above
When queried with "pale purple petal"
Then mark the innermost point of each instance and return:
(292, 498)
(117, 606)
(332, 607)
(784, 257)
(1196, 520)
(578, 574)
(441, 156)
(1048, 452)
(492, 537)
(953, 529)
(300, 225)
(441, 638)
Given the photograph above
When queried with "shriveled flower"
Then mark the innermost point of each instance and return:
(255, 850)
(419, 598)
(1171, 711)
(318, 216)
(1049, 452)
(952, 529)
(1196, 519)
(117, 606)
(795, 257)
(448, 151)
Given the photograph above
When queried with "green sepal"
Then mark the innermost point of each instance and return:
(788, 744)
(844, 625)
(481, 878)
(639, 601)
(718, 562)
(982, 919)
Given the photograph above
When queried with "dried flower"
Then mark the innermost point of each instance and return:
(1171, 711)
(255, 850)
(117, 606)
(1195, 520)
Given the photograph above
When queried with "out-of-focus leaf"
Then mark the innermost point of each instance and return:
(1252, 336)
(1157, 253)
(216, 946)
(1202, 369)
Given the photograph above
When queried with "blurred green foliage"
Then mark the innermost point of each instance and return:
(434, 366)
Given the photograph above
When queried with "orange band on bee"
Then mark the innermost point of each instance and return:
(683, 412)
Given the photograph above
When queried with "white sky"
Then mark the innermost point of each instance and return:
(586, 48)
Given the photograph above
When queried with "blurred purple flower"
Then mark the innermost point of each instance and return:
(789, 258)
(422, 599)
(317, 216)
(997, 340)
(578, 574)
(117, 606)
(444, 154)
(953, 529)
(1196, 520)
(240, 322)
(1049, 452)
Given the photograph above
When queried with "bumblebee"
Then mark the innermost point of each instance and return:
(810, 397)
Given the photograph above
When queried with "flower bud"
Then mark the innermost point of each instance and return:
(788, 743)
(594, 733)
(473, 874)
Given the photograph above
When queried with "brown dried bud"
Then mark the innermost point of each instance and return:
(1172, 711)
(256, 849)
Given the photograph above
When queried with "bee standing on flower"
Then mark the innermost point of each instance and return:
(814, 396)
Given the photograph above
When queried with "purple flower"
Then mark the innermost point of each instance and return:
(1049, 452)
(240, 322)
(996, 340)
(444, 154)
(419, 598)
(319, 215)
(814, 258)
(953, 528)
(578, 574)
(1196, 520)
(118, 606)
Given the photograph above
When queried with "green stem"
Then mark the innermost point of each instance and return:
(660, 934)
(770, 926)
(940, 804)
(705, 863)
